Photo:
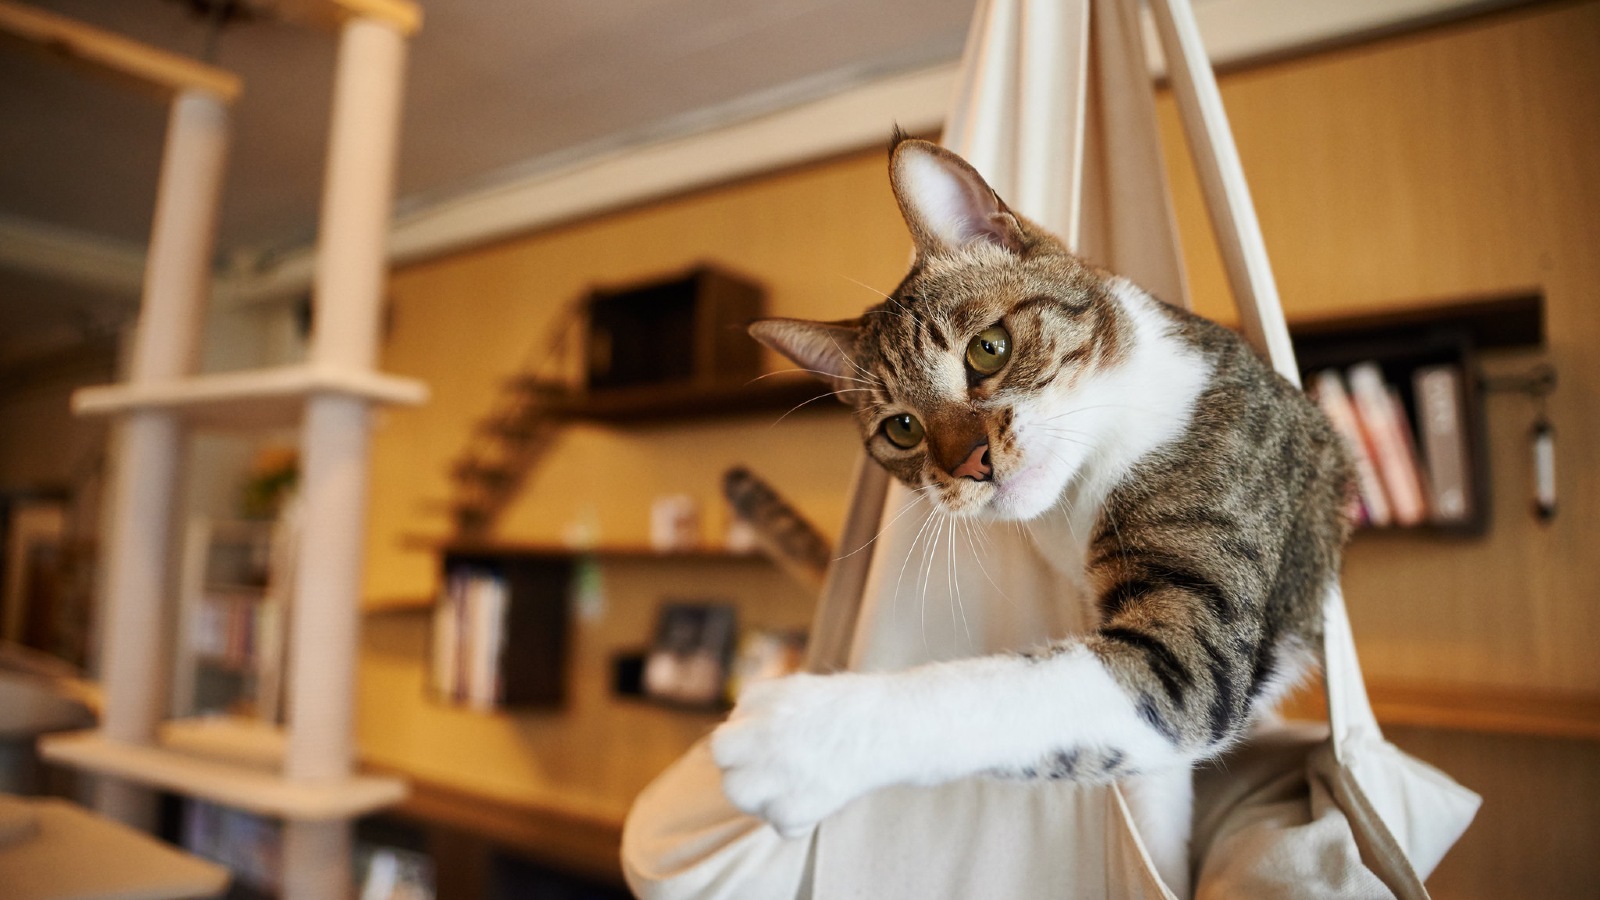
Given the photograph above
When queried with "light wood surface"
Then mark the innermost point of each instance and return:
(76, 855)
(251, 743)
(240, 786)
(1483, 710)
(1536, 833)
(822, 239)
(253, 399)
(570, 843)
(403, 15)
(111, 54)
(1453, 163)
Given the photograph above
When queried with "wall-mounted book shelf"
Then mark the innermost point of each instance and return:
(776, 392)
(499, 637)
(611, 553)
(1404, 388)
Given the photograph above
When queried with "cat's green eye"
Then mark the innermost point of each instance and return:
(903, 431)
(988, 352)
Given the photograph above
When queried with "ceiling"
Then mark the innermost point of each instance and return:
(495, 88)
(492, 85)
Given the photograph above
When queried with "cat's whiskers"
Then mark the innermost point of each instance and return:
(1122, 406)
(1116, 533)
(818, 372)
(927, 576)
(822, 396)
(855, 365)
(911, 551)
(954, 580)
(885, 311)
(898, 516)
(1069, 436)
(868, 287)
(978, 533)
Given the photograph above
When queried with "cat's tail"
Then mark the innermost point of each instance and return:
(779, 530)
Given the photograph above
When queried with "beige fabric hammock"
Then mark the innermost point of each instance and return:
(1055, 108)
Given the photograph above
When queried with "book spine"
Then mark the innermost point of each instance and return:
(460, 602)
(1328, 386)
(485, 615)
(446, 640)
(1441, 421)
(1395, 461)
(496, 598)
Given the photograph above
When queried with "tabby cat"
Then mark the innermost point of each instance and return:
(1005, 379)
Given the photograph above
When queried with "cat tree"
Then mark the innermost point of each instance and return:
(309, 781)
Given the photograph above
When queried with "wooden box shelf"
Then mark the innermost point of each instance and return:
(500, 630)
(1427, 351)
(775, 393)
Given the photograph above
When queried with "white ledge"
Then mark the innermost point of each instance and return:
(254, 398)
(236, 786)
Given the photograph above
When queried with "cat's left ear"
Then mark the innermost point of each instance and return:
(946, 203)
(824, 349)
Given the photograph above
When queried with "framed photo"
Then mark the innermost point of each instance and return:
(688, 662)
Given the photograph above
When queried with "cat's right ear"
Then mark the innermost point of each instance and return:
(824, 349)
(946, 203)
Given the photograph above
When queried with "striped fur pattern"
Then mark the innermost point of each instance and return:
(1200, 494)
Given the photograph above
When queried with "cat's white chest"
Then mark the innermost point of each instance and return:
(1061, 537)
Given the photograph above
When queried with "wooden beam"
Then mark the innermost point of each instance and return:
(111, 54)
(332, 14)
(1492, 710)
(560, 839)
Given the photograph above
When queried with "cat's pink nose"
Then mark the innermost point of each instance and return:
(977, 465)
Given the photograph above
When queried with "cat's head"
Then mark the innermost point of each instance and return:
(964, 380)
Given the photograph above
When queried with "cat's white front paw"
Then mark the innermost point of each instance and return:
(797, 749)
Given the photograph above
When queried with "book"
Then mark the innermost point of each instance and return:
(1379, 414)
(486, 611)
(446, 639)
(1442, 434)
(248, 844)
(1328, 389)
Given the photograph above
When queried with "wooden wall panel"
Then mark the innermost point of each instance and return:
(589, 759)
(1540, 822)
(1453, 163)
(822, 239)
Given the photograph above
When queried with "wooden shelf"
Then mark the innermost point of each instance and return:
(1491, 710)
(1398, 346)
(1494, 321)
(622, 553)
(405, 604)
(567, 841)
(241, 786)
(777, 393)
(107, 53)
(331, 14)
(253, 399)
(232, 739)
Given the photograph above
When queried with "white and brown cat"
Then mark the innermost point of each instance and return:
(1007, 379)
